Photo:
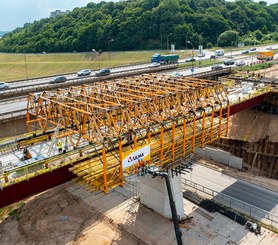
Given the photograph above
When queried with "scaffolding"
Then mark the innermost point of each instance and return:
(173, 116)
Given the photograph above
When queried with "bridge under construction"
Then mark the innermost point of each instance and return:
(110, 127)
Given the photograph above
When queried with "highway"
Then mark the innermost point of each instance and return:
(72, 76)
(18, 105)
(242, 190)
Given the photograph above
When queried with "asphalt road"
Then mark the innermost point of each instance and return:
(242, 190)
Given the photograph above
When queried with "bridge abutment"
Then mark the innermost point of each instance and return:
(153, 194)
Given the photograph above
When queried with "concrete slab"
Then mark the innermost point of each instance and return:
(152, 228)
(219, 240)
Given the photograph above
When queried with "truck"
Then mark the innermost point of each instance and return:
(165, 59)
(265, 55)
(219, 52)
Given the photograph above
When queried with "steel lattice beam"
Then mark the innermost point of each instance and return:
(173, 115)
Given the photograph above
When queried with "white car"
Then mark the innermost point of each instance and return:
(4, 85)
(269, 48)
(85, 72)
(154, 64)
(240, 63)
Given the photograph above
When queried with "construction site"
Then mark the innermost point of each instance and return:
(112, 163)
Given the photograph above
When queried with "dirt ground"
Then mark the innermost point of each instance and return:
(58, 217)
(251, 125)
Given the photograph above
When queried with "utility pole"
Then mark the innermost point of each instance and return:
(109, 48)
(26, 73)
(168, 41)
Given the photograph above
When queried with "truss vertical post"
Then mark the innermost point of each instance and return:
(203, 129)
(211, 125)
(162, 143)
(149, 142)
(194, 133)
(220, 120)
(184, 138)
(121, 163)
(135, 141)
(228, 118)
(173, 141)
(105, 185)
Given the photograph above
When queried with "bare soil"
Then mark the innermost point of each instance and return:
(58, 217)
(251, 125)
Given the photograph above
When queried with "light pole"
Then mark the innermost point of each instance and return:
(186, 40)
(192, 69)
(168, 40)
(109, 48)
(26, 73)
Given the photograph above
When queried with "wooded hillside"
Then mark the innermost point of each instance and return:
(147, 24)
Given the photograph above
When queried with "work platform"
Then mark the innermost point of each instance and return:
(113, 125)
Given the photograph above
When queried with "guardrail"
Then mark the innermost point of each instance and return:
(11, 115)
(233, 203)
(211, 73)
(24, 90)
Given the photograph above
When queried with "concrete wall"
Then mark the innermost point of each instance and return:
(153, 194)
(221, 156)
(12, 128)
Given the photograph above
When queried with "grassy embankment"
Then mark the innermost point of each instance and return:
(12, 66)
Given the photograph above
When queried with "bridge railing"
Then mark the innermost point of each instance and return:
(250, 210)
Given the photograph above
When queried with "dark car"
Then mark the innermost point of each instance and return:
(212, 56)
(59, 79)
(192, 59)
(216, 67)
(229, 62)
(253, 49)
(245, 52)
(103, 72)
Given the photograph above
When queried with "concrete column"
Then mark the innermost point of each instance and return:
(153, 194)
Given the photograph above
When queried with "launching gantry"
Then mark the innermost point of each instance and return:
(154, 117)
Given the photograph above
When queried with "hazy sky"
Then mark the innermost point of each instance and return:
(15, 13)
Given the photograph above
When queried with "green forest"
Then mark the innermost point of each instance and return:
(148, 24)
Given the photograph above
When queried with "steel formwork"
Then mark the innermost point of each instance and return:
(172, 115)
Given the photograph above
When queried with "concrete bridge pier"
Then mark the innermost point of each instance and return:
(154, 194)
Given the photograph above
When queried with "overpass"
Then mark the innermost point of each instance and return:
(110, 126)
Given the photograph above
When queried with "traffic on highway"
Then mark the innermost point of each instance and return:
(64, 78)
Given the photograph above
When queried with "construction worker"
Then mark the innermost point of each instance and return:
(26, 154)
(60, 146)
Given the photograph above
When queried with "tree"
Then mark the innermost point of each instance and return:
(226, 38)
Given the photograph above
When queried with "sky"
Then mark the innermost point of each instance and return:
(15, 13)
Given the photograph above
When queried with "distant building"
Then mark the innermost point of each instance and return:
(58, 13)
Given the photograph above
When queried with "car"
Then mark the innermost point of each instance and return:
(269, 48)
(154, 64)
(59, 79)
(103, 72)
(245, 51)
(4, 85)
(201, 55)
(177, 74)
(216, 67)
(253, 49)
(192, 59)
(240, 63)
(212, 56)
(85, 72)
(229, 62)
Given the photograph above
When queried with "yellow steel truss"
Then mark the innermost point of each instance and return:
(173, 115)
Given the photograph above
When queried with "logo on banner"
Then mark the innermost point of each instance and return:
(134, 156)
